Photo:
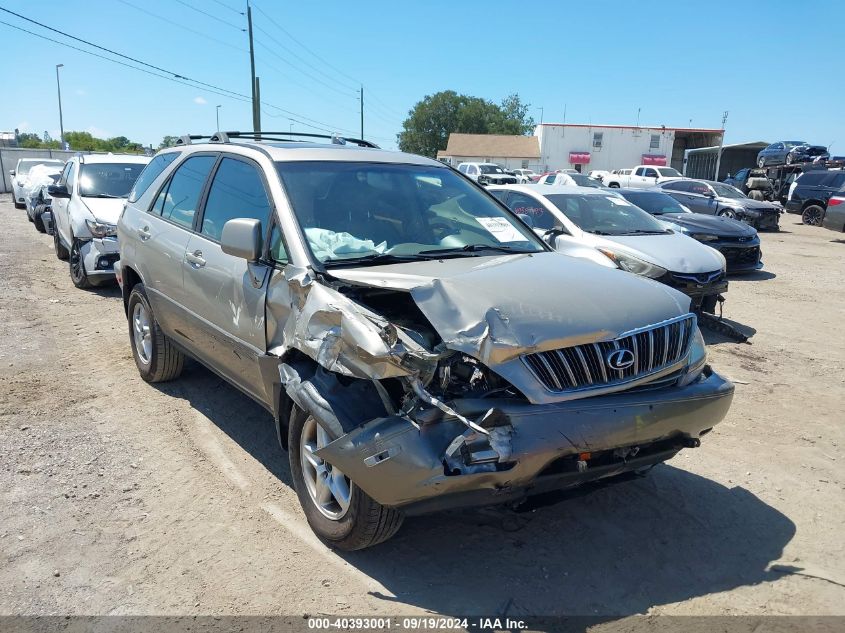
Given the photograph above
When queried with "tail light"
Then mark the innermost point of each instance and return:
(834, 201)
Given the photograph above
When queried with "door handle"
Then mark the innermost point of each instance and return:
(195, 259)
(144, 233)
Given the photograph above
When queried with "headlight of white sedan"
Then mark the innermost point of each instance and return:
(633, 264)
(101, 229)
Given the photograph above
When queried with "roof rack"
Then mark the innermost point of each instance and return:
(226, 137)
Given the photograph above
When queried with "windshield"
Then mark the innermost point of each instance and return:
(490, 169)
(353, 211)
(605, 214)
(25, 165)
(791, 144)
(726, 191)
(654, 202)
(668, 172)
(584, 181)
(108, 180)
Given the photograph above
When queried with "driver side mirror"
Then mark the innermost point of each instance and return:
(241, 237)
(58, 191)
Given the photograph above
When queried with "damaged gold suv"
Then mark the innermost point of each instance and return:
(418, 346)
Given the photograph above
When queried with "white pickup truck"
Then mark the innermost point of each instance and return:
(640, 176)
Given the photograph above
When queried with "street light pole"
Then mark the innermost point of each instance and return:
(217, 112)
(61, 122)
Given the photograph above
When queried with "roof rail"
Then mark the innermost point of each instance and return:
(226, 137)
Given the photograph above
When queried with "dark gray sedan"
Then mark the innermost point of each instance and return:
(716, 198)
(789, 152)
(737, 241)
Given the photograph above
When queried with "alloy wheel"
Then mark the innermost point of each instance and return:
(141, 333)
(327, 486)
(77, 267)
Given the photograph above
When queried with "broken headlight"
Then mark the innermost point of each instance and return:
(101, 229)
(633, 264)
(697, 359)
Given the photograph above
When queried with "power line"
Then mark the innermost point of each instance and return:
(286, 32)
(170, 76)
(182, 26)
(112, 52)
(211, 15)
(288, 78)
(296, 68)
(223, 4)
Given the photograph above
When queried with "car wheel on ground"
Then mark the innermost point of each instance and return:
(18, 205)
(728, 213)
(77, 265)
(812, 215)
(339, 512)
(61, 251)
(614, 185)
(156, 357)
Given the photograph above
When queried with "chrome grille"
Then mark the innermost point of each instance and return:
(654, 348)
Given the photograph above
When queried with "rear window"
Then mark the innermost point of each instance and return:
(812, 178)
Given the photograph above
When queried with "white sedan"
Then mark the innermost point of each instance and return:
(598, 225)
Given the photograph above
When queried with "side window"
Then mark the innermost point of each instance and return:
(462, 168)
(65, 173)
(550, 179)
(501, 194)
(178, 200)
(472, 170)
(838, 180)
(680, 185)
(699, 188)
(71, 176)
(640, 171)
(278, 253)
(526, 205)
(777, 146)
(150, 173)
(650, 173)
(237, 191)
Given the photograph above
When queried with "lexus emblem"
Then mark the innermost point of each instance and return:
(620, 359)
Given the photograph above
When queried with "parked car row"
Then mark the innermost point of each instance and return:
(418, 345)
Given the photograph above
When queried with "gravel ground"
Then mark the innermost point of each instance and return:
(120, 497)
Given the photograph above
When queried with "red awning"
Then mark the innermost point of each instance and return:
(654, 159)
(579, 158)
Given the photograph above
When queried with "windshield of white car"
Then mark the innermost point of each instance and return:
(606, 215)
(108, 180)
(654, 202)
(491, 169)
(352, 211)
(726, 191)
(669, 172)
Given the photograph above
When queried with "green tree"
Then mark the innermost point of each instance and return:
(168, 141)
(429, 123)
(29, 140)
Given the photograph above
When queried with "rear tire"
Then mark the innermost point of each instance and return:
(36, 219)
(156, 357)
(812, 215)
(61, 251)
(362, 522)
(614, 185)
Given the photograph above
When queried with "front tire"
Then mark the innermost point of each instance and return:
(614, 185)
(156, 357)
(812, 215)
(39, 223)
(728, 213)
(77, 266)
(339, 512)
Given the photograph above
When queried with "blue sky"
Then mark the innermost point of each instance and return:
(679, 62)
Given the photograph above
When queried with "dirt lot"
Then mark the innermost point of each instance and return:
(121, 497)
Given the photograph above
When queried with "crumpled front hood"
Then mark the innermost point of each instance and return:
(673, 251)
(498, 308)
(717, 225)
(748, 203)
(105, 209)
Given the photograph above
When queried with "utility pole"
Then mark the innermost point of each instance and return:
(256, 99)
(721, 144)
(61, 122)
(258, 107)
(362, 112)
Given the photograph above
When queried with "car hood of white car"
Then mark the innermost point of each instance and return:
(105, 209)
(672, 251)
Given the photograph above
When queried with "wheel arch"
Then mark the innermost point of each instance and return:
(815, 201)
(130, 279)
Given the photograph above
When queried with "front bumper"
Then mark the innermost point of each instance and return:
(99, 256)
(765, 221)
(740, 258)
(401, 466)
(834, 218)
